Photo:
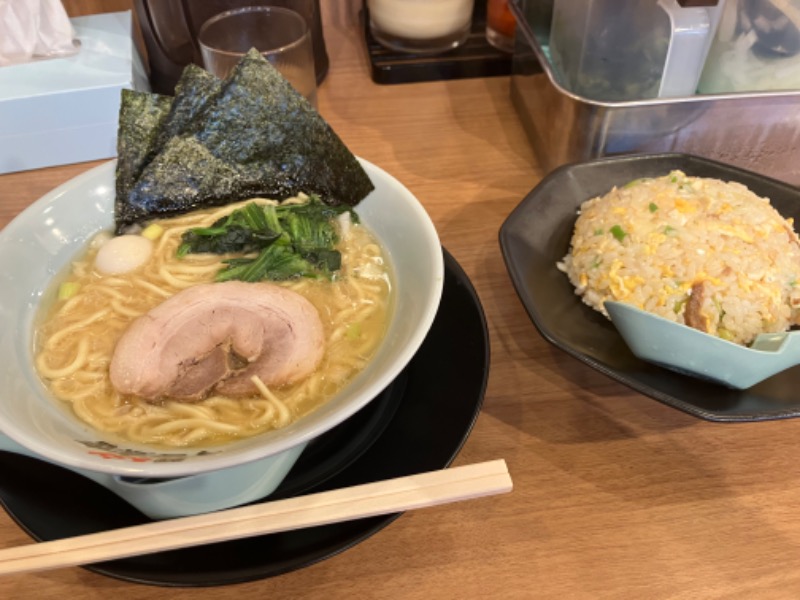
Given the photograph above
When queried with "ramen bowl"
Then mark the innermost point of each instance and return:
(46, 237)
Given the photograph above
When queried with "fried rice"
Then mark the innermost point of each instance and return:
(703, 252)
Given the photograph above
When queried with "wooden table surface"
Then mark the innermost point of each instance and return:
(616, 495)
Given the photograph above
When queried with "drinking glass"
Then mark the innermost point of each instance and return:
(281, 35)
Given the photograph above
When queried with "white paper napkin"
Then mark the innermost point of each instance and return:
(34, 29)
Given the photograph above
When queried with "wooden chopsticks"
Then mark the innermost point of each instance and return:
(368, 500)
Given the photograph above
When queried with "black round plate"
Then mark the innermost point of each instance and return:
(418, 424)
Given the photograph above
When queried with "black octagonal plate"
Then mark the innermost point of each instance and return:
(537, 234)
(418, 424)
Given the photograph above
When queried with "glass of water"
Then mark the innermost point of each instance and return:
(281, 35)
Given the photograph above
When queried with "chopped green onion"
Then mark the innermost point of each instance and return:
(618, 232)
(725, 334)
(653, 207)
(152, 231)
(68, 289)
(353, 331)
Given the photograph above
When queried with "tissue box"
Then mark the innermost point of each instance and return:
(65, 110)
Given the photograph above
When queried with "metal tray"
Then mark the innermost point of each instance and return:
(759, 131)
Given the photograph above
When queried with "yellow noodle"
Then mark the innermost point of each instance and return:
(284, 416)
(193, 436)
(70, 304)
(83, 393)
(190, 410)
(188, 269)
(110, 291)
(152, 287)
(70, 368)
(80, 325)
(179, 424)
(174, 281)
(115, 281)
(122, 310)
(262, 415)
(84, 377)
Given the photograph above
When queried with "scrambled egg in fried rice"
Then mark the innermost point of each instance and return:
(698, 251)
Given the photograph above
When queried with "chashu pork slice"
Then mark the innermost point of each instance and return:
(216, 337)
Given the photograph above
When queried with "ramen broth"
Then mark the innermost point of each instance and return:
(76, 338)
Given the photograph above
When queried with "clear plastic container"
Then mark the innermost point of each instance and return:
(757, 47)
(618, 50)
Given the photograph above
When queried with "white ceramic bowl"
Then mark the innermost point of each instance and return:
(43, 239)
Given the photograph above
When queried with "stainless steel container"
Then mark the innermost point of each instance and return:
(759, 131)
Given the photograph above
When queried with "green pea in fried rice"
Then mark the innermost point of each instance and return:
(698, 251)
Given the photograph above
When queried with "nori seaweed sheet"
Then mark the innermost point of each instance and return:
(253, 135)
(140, 119)
(195, 88)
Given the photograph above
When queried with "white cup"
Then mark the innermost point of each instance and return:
(420, 26)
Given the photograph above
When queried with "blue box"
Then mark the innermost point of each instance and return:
(65, 110)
